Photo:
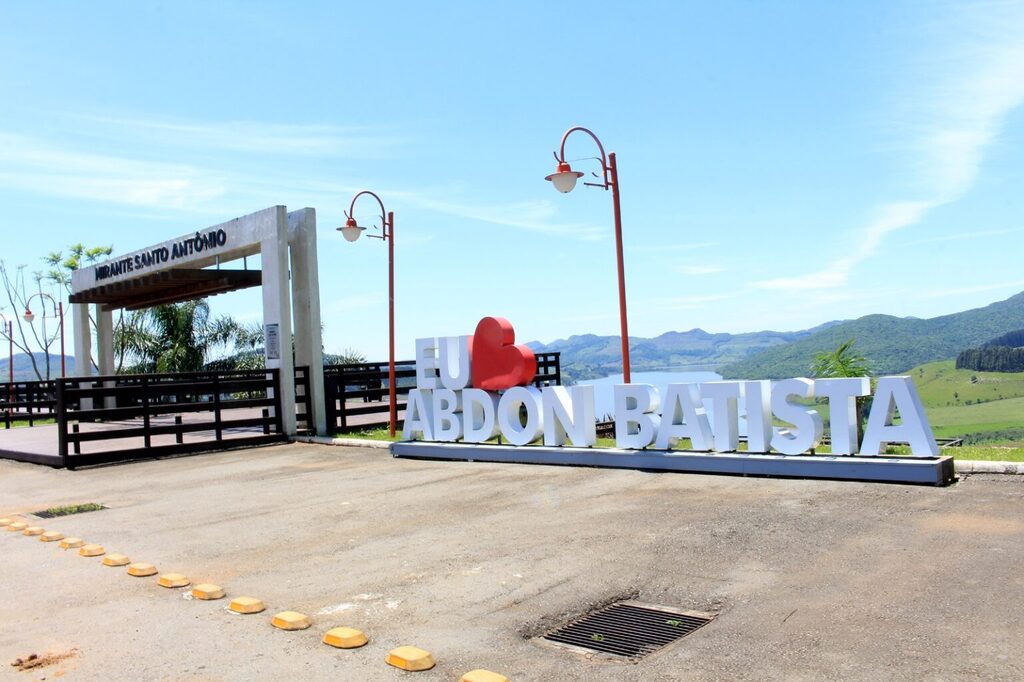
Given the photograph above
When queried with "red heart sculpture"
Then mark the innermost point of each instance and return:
(497, 363)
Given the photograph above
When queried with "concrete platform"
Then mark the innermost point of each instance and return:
(927, 471)
(810, 580)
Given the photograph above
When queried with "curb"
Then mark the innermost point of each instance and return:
(970, 466)
(345, 442)
(963, 466)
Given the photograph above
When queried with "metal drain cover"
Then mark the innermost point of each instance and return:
(627, 629)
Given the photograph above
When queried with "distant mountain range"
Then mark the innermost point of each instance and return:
(589, 356)
(23, 366)
(891, 344)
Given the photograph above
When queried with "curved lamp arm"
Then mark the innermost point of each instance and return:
(40, 294)
(385, 223)
(560, 155)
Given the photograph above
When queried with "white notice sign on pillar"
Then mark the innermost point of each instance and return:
(272, 338)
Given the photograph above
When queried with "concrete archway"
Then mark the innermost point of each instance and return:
(189, 267)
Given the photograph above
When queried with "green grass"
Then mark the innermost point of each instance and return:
(978, 419)
(15, 424)
(69, 509)
(940, 384)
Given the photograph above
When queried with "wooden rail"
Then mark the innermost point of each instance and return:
(29, 401)
(151, 415)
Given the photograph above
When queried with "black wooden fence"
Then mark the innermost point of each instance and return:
(29, 401)
(356, 395)
(126, 417)
(304, 420)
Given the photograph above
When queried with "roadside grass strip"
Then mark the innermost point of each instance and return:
(409, 658)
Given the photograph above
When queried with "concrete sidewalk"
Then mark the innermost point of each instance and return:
(811, 580)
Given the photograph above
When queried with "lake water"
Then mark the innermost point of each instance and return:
(604, 398)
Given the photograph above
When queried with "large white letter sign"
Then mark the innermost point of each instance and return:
(418, 417)
(512, 428)
(757, 403)
(446, 418)
(426, 363)
(569, 412)
(454, 361)
(806, 423)
(479, 415)
(636, 405)
(842, 397)
(897, 394)
(684, 416)
(724, 397)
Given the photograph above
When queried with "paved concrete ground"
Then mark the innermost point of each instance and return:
(811, 580)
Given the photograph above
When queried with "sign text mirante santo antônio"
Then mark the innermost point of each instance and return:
(473, 388)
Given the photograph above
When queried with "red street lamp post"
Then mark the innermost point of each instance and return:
(351, 231)
(58, 308)
(564, 179)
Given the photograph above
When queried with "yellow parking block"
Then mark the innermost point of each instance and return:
(481, 675)
(291, 620)
(116, 560)
(17, 526)
(345, 638)
(173, 580)
(92, 550)
(207, 591)
(410, 658)
(142, 570)
(51, 536)
(33, 530)
(246, 605)
(71, 543)
(6, 521)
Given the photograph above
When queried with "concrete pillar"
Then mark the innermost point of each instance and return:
(306, 308)
(104, 339)
(277, 313)
(83, 339)
(105, 348)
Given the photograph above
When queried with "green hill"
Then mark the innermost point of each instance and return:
(892, 344)
(941, 384)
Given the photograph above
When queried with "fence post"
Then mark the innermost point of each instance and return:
(62, 425)
(278, 417)
(216, 407)
(146, 438)
(179, 437)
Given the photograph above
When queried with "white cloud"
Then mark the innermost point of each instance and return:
(952, 115)
(35, 166)
(700, 269)
(294, 139)
(670, 248)
(533, 216)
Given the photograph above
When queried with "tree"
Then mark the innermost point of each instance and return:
(175, 337)
(845, 362)
(36, 337)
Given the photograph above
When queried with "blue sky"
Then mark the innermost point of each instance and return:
(781, 164)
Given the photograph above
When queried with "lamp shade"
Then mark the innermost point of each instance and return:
(29, 316)
(564, 178)
(351, 230)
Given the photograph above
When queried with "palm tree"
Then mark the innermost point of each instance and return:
(176, 337)
(845, 362)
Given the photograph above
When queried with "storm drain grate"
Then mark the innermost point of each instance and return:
(628, 629)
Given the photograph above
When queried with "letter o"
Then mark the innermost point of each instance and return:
(512, 428)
